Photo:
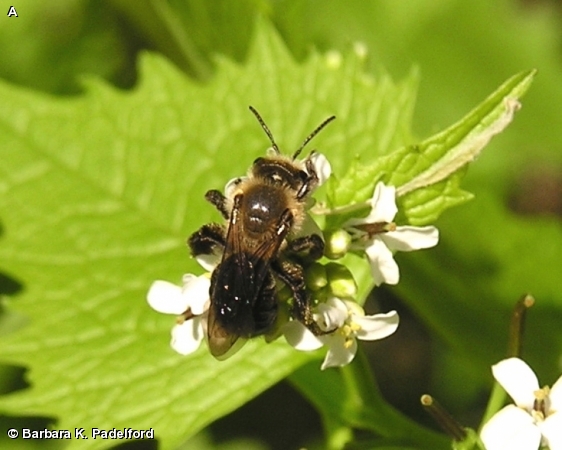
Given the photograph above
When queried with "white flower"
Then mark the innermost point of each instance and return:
(379, 236)
(190, 303)
(536, 417)
(349, 321)
(321, 166)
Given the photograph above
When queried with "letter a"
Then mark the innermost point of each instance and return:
(12, 12)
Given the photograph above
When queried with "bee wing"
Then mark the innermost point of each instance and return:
(221, 342)
(254, 262)
(249, 266)
(240, 276)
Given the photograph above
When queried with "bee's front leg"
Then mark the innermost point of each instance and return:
(219, 201)
(209, 239)
(311, 246)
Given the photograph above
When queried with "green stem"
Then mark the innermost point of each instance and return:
(496, 401)
(377, 415)
(517, 327)
(442, 417)
(337, 434)
(350, 397)
(498, 395)
(320, 210)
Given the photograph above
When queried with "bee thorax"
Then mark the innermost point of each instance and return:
(262, 208)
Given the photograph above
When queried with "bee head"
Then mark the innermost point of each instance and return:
(280, 171)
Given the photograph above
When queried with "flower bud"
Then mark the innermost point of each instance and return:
(341, 281)
(315, 277)
(337, 243)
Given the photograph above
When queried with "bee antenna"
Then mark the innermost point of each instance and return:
(314, 133)
(265, 128)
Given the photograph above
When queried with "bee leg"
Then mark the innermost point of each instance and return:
(209, 239)
(219, 201)
(311, 181)
(311, 246)
(292, 275)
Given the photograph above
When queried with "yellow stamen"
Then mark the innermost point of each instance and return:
(541, 404)
(542, 394)
(391, 226)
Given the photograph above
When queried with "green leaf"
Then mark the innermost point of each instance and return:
(99, 193)
(427, 175)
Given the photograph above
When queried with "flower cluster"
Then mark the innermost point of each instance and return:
(336, 311)
(349, 321)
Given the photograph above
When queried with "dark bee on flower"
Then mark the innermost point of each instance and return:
(262, 211)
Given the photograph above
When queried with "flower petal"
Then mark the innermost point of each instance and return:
(408, 238)
(230, 187)
(383, 267)
(166, 298)
(383, 207)
(196, 290)
(333, 314)
(338, 355)
(208, 262)
(300, 337)
(383, 204)
(377, 326)
(511, 429)
(187, 337)
(322, 167)
(552, 430)
(518, 380)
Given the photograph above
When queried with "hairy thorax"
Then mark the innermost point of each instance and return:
(262, 206)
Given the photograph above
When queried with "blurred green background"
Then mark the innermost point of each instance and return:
(506, 242)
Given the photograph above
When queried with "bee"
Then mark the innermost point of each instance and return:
(262, 210)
